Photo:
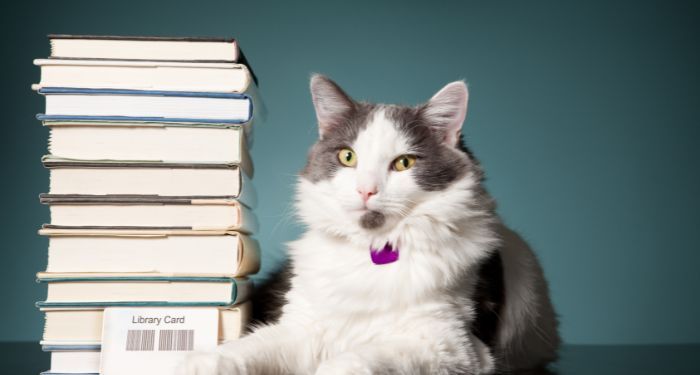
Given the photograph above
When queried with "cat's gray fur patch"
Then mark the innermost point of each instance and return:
(323, 156)
(372, 220)
(438, 164)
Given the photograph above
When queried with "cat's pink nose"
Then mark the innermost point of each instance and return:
(366, 193)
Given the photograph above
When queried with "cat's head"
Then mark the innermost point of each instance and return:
(375, 166)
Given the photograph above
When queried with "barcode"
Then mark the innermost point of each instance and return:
(168, 340)
(140, 339)
(176, 340)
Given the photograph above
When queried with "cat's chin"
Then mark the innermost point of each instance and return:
(372, 220)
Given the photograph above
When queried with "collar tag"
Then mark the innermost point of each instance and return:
(386, 255)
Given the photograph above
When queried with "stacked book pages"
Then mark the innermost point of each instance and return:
(149, 193)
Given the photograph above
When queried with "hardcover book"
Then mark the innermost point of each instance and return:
(164, 106)
(70, 360)
(103, 290)
(144, 75)
(156, 143)
(81, 328)
(165, 179)
(140, 251)
(89, 212)
(144, 48)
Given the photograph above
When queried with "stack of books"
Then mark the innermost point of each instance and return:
(149, 194)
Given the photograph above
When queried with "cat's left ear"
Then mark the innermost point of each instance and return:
(446, 111)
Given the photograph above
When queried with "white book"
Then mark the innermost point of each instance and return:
(140, 104)
(144, 75)
(108, 177)
(118, 289)
(144, 47)
(82, 327)
(157, 143)
(75, 362)
(149, 212)
(171, 252)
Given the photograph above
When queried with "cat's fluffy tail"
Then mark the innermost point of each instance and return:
(528, 336)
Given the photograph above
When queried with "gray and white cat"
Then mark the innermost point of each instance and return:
(405, 268)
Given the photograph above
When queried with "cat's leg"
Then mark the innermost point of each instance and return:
(273, 349)
(411, 356)
(486, 360)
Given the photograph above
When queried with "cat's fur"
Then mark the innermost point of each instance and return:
(466, 296)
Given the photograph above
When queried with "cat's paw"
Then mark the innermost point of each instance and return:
(344, 364)
(210, 363)
(199, 363)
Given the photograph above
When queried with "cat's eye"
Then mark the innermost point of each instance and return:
(347, 157)
(403, 162)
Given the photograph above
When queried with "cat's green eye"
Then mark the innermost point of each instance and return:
(347, 157)
(403, 162)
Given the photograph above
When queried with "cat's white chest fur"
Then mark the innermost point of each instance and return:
(349, 280)
(355, 303)
(342, 277)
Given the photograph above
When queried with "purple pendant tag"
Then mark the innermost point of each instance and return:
(384, 256)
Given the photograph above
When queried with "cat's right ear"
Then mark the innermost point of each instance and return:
(447, 110)
(332, 104)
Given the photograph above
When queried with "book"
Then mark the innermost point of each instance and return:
(78, 290)
(81, 328)
(131, 122)
(67, 360)
(173, 252)
(71, 211)
(144, 47)
(110, 177)
(144, 75)
(157, 143)
(106, 104)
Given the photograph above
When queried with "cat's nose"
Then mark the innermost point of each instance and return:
(366, 193)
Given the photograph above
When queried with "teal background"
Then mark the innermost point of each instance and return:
(584, 115)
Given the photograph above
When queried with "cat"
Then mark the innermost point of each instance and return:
(405, 268)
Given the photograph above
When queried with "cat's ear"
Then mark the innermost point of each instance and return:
(332, 104)
(446, 111)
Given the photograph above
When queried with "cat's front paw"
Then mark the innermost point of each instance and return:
(199, 363)
(344, 364)
(210, 363)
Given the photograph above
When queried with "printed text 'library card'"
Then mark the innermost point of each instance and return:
(154, 340)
